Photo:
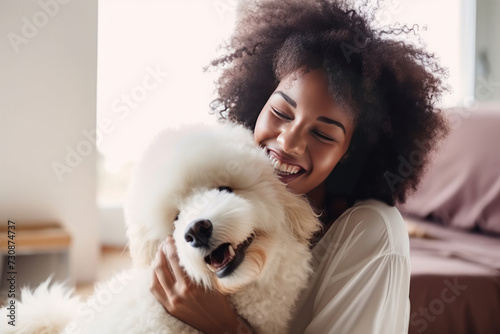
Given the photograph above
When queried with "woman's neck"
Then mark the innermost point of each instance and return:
(329, 208)
(316, 197)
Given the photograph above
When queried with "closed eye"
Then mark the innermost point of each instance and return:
(280, 114)
(323, 137)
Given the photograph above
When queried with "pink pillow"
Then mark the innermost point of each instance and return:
(462, 186)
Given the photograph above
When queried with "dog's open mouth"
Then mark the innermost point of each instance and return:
(225, 259)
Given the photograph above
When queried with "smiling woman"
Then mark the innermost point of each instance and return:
(301, 119)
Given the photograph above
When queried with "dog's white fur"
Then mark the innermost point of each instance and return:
(171, 189)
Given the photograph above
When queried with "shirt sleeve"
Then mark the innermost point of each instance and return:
(361, 282)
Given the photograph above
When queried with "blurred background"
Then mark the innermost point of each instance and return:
(86, 84)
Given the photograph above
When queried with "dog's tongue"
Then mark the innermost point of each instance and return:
(220, 256)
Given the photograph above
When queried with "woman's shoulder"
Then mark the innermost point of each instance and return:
(374, 225)
(375, 209)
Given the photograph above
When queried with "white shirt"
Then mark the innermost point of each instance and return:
(361, 275)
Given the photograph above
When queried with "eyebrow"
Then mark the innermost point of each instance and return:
(323, 119)
(287, 98)
(331, 121)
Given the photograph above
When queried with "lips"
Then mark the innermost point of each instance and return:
(225, 259)
(286, 169)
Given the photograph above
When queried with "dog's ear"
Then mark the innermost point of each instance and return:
(300, 216)
(142, 249)
(145, 233)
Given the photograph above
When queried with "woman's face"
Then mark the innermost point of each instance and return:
(304, 131)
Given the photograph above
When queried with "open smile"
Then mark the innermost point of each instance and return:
(225, 259)
(286, 171)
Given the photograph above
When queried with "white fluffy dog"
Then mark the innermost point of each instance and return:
(236, 228)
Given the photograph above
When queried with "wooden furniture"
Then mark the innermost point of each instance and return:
(38, 250)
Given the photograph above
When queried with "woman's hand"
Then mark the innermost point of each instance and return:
(208, 311)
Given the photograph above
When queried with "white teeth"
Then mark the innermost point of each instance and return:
(212, 269)
(231, 251)
(283, 167)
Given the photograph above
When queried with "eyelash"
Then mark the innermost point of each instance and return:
(318, 134)
(323, 137)
(281, 115)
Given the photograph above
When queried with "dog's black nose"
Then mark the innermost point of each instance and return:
(198, 232)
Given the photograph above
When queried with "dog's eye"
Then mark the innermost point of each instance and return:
(226, 188)
(176, 218)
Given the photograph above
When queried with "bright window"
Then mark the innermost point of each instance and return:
(151, 55)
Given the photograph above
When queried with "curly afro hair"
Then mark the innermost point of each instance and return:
(390, 88)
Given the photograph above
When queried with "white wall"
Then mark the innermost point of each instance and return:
(172, 39)
(488, 50)
(48, 67)
(444, 27)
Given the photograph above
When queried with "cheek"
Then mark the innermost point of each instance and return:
(263, 128)
(325, 162)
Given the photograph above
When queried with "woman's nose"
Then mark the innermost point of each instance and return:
(292, 141)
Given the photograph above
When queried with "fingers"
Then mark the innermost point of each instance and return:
(167, 271)
(173, 259)
(163, 280)
(158, 291)
(169, 283)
